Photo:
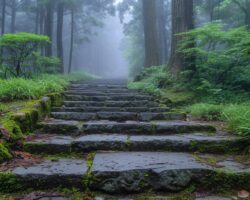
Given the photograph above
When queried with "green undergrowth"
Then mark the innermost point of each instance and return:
(231, 107)
(21, 89)
(22, 105)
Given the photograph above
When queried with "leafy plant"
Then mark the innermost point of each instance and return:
(18, 49)
(222, 57)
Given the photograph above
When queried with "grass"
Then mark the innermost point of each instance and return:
(231, 107)
(22, 89)
(236, 116)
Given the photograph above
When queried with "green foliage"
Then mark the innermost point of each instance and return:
(10, 182)
(19, 88)
(18, 49)
(222, 58)
(206, 111)
(45, 64)
(4, 153)
(236, 116)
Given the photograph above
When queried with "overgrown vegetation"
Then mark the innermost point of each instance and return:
(228, 105)
(20, 88)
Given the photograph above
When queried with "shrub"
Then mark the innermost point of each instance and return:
(4, 153)
(19, 48)
(222, 58)
(20, 89)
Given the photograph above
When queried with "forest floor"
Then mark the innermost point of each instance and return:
(105, 137)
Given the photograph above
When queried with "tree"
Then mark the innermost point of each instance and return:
(3, 16)
(60, 19)
(19, 48)
(182, 21)
(49, 17)
(244, 5)
(151, 36)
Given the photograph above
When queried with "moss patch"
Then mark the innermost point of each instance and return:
(4, 153)
(10, 181)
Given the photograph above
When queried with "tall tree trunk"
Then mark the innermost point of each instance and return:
(152, 54)
(161, 23)
(13, 16)
(49, 26)
(3, 28)
(247, 18)
(71, 40)
(182, 21)
(3, 16)
(60, 13)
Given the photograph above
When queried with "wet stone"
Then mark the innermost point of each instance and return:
(50, 174)
(144, 128)
(137, 172)
(100, 142)
(54, 126)
(50, 145)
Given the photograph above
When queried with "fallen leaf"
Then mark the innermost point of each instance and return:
(243, 194)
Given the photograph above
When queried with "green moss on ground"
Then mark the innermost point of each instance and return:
(4, 153)
(11, 183)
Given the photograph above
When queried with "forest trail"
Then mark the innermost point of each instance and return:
(116, 140)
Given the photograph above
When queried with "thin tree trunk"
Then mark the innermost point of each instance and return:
(60, 13)
(3, 28)
(71, 41)
(13, 16)
(182, 21)
(152, 54)
(247, 18)
(3, 17)
(49, 26)
(161, 23)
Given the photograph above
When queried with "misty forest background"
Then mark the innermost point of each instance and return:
(194, 53)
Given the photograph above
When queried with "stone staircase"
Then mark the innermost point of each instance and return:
(116, 140)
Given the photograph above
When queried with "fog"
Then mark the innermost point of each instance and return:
(102, 55)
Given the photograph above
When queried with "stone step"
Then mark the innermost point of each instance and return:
(100, 93)
(65, 173)
(129, 172)
(102, 90)
(90, 86)
(203, 143)
(110, 103)
(117, 116)
(110, 109)
(108, 98)
(131, 127)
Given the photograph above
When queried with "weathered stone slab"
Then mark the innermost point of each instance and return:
(81, 116)
(50, 174)
(79, 97)
(50, 145)
(109, 109)
(63, 127)
(102, 142)
(110, 103)
(144, 128)
(119, 142)
(185, 143)
(135, 172)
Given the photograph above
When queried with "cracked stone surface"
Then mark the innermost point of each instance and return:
(137, 171)
(65, 172)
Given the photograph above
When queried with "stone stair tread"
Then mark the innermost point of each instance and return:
(110, 103)
(154, 127)
(49, 174)
(79, 97)
(156, 170)
(99, 142)
(118, 116)
(110, 109)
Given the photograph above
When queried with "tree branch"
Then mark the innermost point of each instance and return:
(240, 6)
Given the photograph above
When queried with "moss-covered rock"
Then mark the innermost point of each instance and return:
(11, 183)
(4, 153)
